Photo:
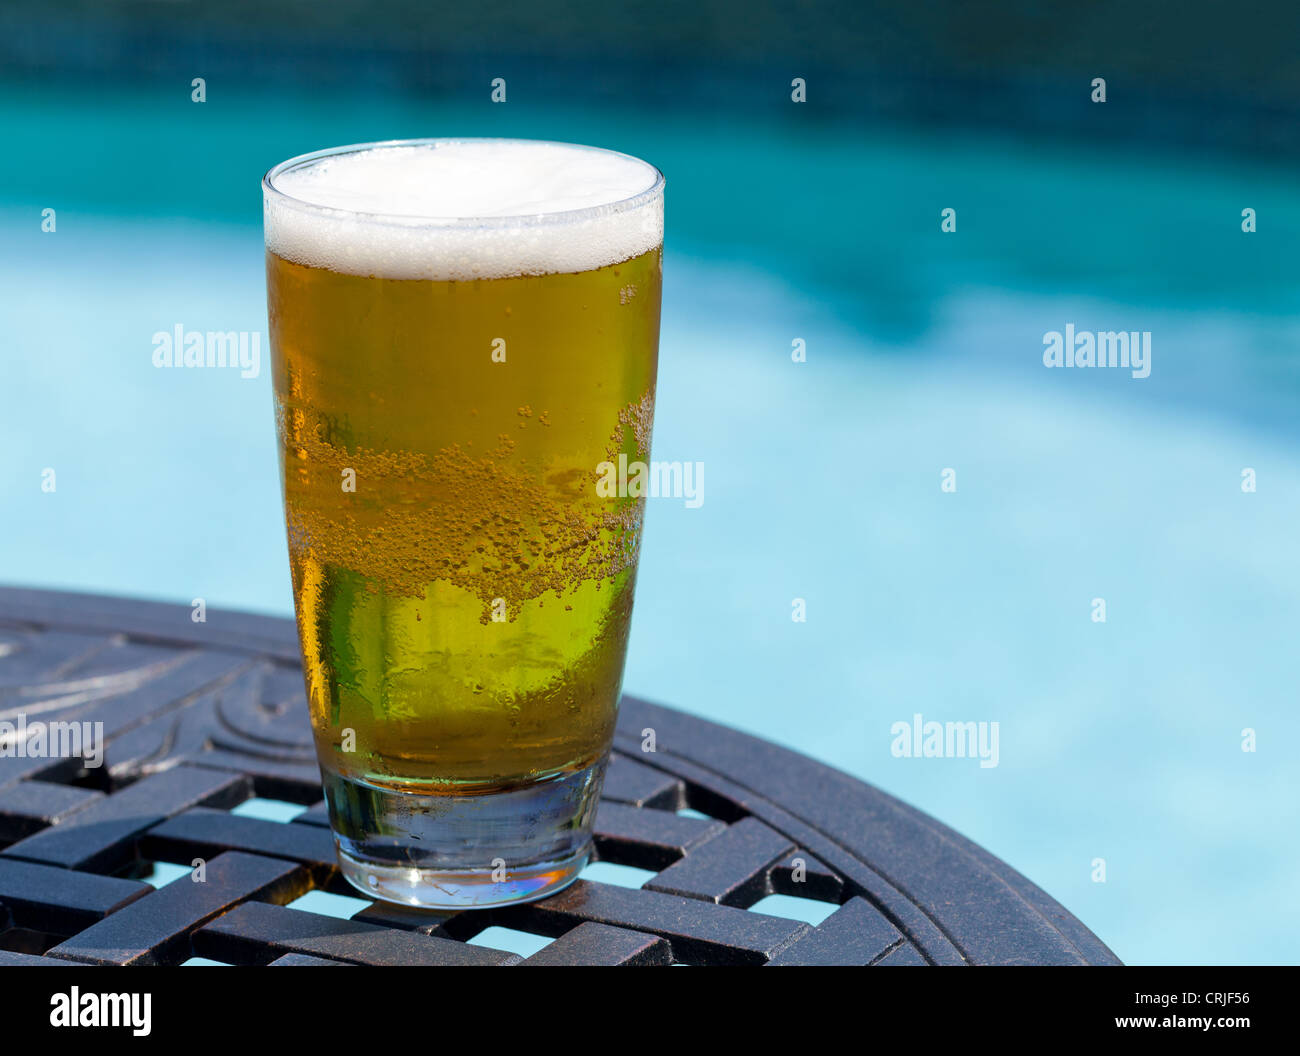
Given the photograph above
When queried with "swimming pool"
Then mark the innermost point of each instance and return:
(1118, 741)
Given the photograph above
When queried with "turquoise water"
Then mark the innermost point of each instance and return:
(1118, 740)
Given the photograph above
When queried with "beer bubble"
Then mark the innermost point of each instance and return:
(463, 209)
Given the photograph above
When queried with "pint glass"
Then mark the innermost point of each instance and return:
(464, 332)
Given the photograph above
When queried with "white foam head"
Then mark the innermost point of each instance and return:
(462, 209)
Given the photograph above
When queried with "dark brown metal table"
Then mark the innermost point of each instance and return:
(200, 717)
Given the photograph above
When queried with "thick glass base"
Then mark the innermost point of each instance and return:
(460, 852)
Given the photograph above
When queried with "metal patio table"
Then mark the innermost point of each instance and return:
(200, 717)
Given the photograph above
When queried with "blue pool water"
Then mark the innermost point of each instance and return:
(1118, 741)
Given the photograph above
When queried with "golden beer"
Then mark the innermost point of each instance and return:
(463, 593)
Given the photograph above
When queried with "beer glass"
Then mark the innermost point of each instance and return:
(463, 333)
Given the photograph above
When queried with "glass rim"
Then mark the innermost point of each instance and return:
(560, 216)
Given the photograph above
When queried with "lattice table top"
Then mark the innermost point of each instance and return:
(201, 717)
